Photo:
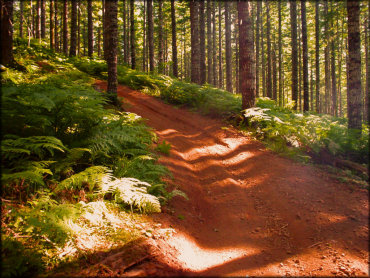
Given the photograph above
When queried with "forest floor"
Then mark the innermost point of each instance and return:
(250, 211)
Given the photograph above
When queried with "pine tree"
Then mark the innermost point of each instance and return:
(150, 35)
(293, 25)
(65, 27)
(229, 77)
(174, 41)
(195, 46)
(317, 54)
(90, 29)
(305, 56)
(132, 35)
(202, 42)
(73, 46)
(7, 33)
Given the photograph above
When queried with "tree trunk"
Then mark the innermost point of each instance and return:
(144, 37)
(263, 55)
(73, 46)
(7, 33)
(43, 19)
(160, 38)
(311, 83)
(354, 66)
(305, 57)
(327, 60)
(56, 36)
(132, 36)
(21, 19)
(150, 35)
(220, 63)
(274, 73)
(78, 28)
(65, 27)
(246, 60)
(202, 41)
(111, 37)
(317, 54)
(174, 41)
(293, 25)
(229, 77)
(51, 24)
(90, 30)
(38, 19)
(214, 68)
(367, 62)
(258, 23)
(334, 111)
(195, 46)
(209, 44)
(280, 58)
(268, 35)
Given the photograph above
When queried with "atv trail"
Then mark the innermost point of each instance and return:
(250, 211)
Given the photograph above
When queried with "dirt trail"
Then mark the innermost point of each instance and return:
(251, 212)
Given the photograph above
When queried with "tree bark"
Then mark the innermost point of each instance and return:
(56, 36)
(132, 36)
(7, 33)
(305, 57)
(65, 27)
(317, 54)
(334, 110)
(258, 23)
(43, 19)
(268, 37)
(293, 24)
(246, 60)
(354, 66)
(174, 41)
(214, 66)
(209, 44)
(90, 29)
(160, 38)
(195, 46)
(51, 24)
(274, 73)
(202, 40)
(327, 60)
(263, 55)
(229, 77)
(111, 37)
(38, 19)
(280, 58)
(367, 62)
(220, 63)
(73, 46)
(150, 35)
(21, 19)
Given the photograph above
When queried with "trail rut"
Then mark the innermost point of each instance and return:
(250, 211)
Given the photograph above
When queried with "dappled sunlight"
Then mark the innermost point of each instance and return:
(198, 258)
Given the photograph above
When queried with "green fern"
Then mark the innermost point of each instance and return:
(132, 192)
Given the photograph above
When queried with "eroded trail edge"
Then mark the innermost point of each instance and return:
(250, 211)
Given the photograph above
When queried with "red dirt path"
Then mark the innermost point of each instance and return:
(250, 211)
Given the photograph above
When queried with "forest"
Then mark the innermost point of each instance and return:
(171, 138)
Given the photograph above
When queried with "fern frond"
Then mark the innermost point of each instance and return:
(132, 192)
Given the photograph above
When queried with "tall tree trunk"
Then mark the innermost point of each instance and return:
(38, 19)
(6, 58)
(65, 27)
(274, 73)
(354, 66)
(160, 38)
(150, 35)
(73, 46)
(317, 55)
(99, 40)
(367, 62)
(78, 28)
(214, 68)
(293, 25)
(258, 23)
(144, 37)
(220, 63)
(236, 51)
(280, 58)
(195, 46)
(229, 77)
(327, 60)
(333, 111)
(43, 19)
(111, 36)
(305, 57)
(202, 41)
(269, 69)
(21, 19)
(51, 24)
(90, 30)
(263, 55)
(174, 41)
(32, 19)
(311, 83)
(132, 36)
(124, 19)
(56, 36)
(246, 62)
(209, 44)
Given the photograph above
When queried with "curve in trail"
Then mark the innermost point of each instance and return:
(251, 212)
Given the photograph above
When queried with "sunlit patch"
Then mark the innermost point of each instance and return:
(197, 258)
(332, 218)
(167, 132)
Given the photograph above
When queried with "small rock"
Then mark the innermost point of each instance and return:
(215, 230)
(320, 268)
(296, 261)
(323, 257)
(343, 254)
(281, 265)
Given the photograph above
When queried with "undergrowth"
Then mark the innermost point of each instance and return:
(73, 171)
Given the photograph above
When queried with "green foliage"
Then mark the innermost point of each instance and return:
(164, 147)
(283, 128)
